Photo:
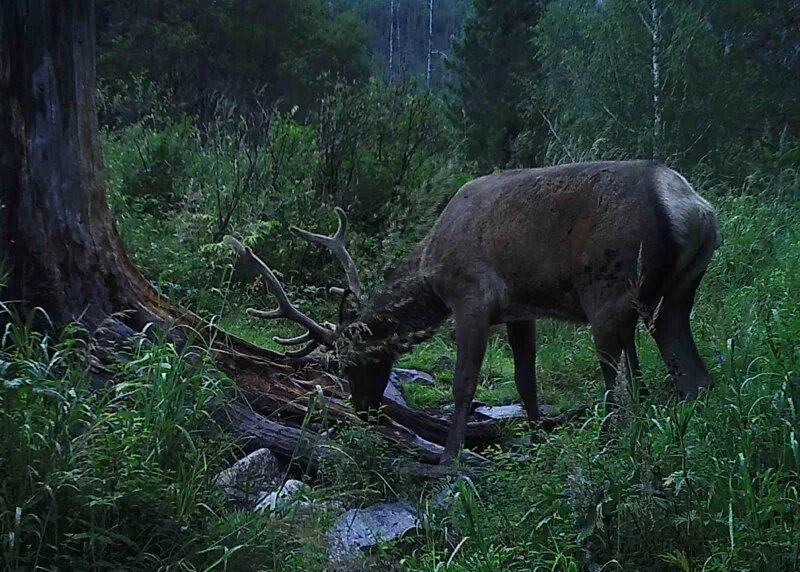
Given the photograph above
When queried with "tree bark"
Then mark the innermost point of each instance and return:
(64, 253)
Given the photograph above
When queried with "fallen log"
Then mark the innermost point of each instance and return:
(312, 449)
(282, 439)
(277, 393)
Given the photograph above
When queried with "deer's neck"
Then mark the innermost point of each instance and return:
(405, 311)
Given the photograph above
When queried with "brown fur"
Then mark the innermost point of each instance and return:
(594, 243)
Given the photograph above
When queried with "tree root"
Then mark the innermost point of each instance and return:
(275, 392)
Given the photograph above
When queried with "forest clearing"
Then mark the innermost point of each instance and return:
(172, 172)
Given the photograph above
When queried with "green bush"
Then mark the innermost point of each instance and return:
(177, 189)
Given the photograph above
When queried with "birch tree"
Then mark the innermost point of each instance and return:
(430, 44)
(391, 40)
(645, 78)
(653, 27)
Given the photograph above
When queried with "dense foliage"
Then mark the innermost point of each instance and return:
(691, 83)
(493, 62)
(247, 116)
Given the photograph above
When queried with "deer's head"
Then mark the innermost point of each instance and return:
(363, 363)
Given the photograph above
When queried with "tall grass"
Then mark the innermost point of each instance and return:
(111, 469)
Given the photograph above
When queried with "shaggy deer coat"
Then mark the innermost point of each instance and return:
(602, 243)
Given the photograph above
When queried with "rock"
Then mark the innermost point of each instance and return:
(361, 528)
(399, 377)
(512, 411)
(413, 376)
(520, 457)
(284, 496)
(393, 390)
(243, 481)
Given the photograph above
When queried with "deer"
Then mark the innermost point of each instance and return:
(597, 243)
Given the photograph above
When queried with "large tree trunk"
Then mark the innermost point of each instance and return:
(64, 253)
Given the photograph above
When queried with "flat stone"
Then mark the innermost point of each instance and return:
(393, 390)
(399, 377)
(511, 411)
(243, 481)
(358, 529)
(412, 376)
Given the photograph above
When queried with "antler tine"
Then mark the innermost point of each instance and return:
(304, 351)
(319, 334)
(301, 339)
(335, 243)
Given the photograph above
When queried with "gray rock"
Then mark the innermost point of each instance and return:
(512, 411)
(412, 376)
(399, 377)
(243, 481)
(285, 495)
(394, 391)
(358, 529)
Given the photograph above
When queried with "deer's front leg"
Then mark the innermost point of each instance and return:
(472, 333)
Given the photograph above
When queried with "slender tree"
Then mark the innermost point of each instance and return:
(654, 30)
(397, 37)
(430, 44)
(391, 40)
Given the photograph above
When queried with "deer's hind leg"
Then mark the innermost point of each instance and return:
(614, 336)
(673, 336)
(522, 338)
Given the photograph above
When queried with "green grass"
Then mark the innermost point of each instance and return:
(566, 366)
(121, 476)
(112, 470)
(709, 485)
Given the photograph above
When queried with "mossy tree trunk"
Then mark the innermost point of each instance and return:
(63, 251)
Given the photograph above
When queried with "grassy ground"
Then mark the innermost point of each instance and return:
(115, 482)
(709, 485)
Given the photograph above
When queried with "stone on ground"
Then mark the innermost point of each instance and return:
(247, 478)
(358, 529)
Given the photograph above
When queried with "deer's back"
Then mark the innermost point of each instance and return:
(560, 240)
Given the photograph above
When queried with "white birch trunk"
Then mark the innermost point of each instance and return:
(655, 34)
(430, 44)
(399, 42)
(391, 40)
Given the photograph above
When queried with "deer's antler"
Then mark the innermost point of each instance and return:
(316, 335)
(335, 243)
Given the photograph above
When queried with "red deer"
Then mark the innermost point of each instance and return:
(595, 243)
